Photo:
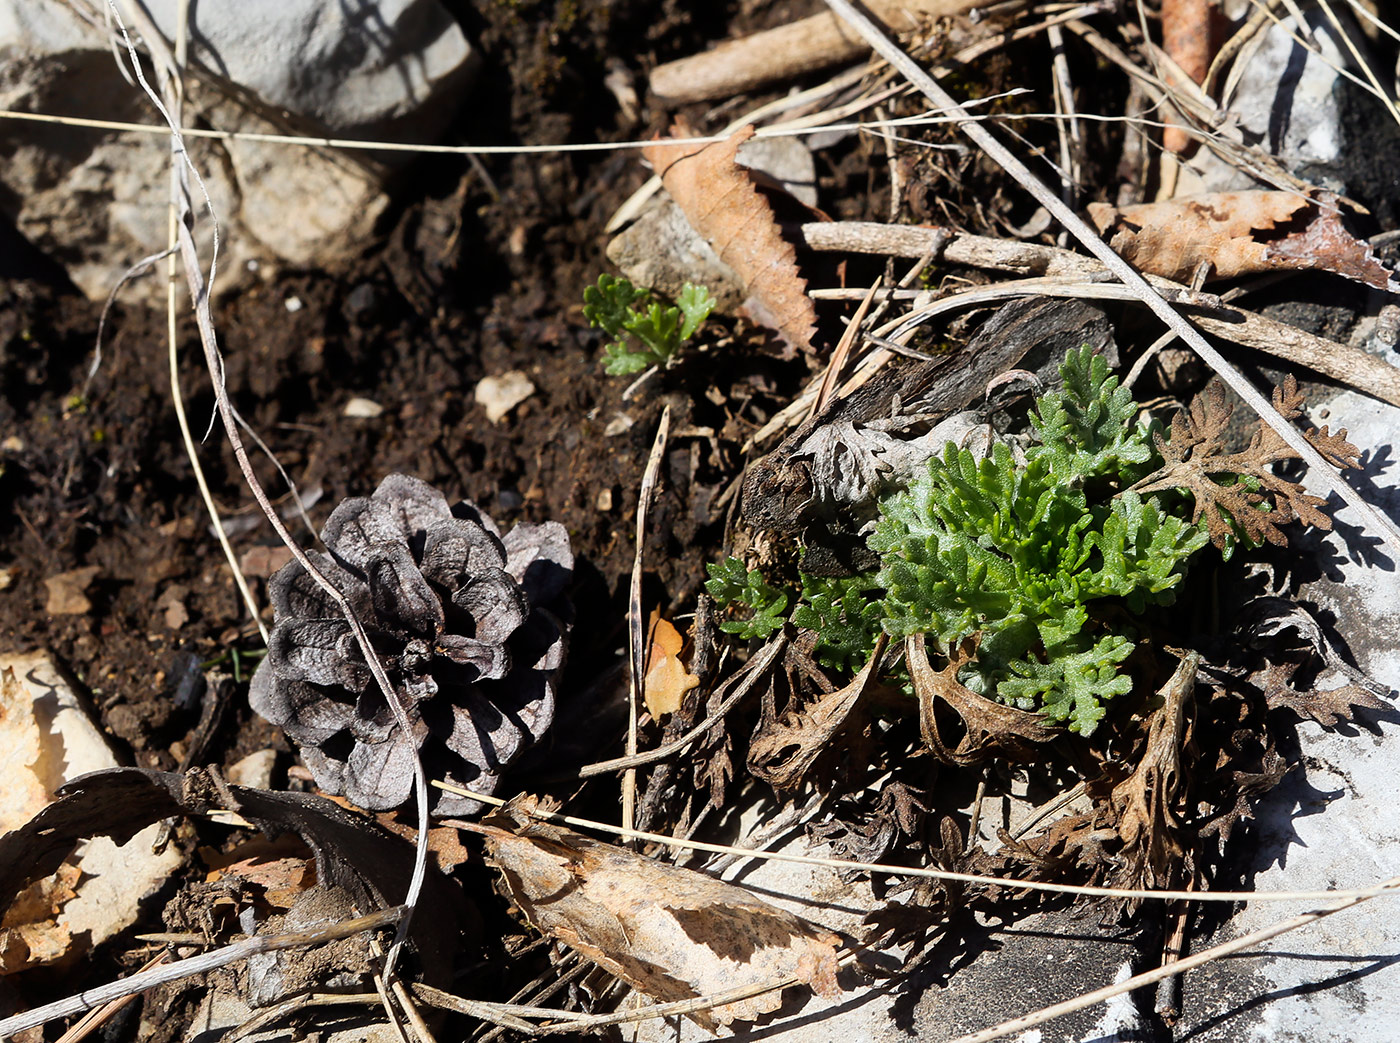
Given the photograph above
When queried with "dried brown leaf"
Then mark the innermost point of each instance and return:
(671, 933)
(1328, 707)
(30, 933)
(1237, 233)
(989, 728)
(1193, 459)
(720, 200)
(783, 750)
(1148, 802)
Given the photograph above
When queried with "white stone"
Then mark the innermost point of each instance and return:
(362, 409)
(498, 395)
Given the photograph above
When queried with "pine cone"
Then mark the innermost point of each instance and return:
(470, 626)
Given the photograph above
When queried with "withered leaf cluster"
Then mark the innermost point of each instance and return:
(1238, 493)
(471, 626)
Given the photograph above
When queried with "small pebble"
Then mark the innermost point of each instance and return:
(500, 394)
(363, 409)
(293, 304)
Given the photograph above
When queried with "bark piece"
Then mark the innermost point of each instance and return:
(721, 201)
(671, 933)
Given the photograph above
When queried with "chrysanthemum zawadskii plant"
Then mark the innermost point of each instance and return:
(471, 627)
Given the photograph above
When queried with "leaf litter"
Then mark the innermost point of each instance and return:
(671, 933)
(1148, 817)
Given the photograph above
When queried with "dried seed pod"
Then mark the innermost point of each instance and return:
(471, 627)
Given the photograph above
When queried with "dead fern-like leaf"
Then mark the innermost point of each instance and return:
(720, 200)
(1238, 494)
(990, 729)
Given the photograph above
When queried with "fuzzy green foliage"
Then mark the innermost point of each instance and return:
(644, 332)
(730, 584)
(1018, 551)
(846, 615)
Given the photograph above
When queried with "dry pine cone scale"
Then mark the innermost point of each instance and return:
(471, 627)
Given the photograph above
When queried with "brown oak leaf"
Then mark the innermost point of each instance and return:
(720, 200)
(1237, 233)
(671, 933)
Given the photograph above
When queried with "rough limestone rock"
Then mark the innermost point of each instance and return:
(96, 200)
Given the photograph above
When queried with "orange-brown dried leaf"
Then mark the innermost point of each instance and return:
(671, 933)
(1238, 233)
(720, 200)
(30, 934)
(667, 680)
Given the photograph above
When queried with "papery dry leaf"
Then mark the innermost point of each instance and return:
(30, 934)
(282, 880)
(1238, 233)
(783, 750)
(667, 679)
(671, 933)
(990, 729)
(721, 202)
(23, 792)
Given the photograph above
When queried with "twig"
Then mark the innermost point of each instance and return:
(1350, 365)
(272, 1015)
(1071, 137)
(93, 1019)
(754, 670)
(635, 624)
(1157, 974)
(170, 972)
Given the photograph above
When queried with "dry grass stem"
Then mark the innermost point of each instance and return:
(938, 874)
(636, 623)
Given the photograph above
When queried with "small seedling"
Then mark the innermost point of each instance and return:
(731, 584)
(644, 332)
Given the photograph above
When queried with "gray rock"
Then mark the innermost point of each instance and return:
(96, 200)
(1299, 108)
(1335, 822)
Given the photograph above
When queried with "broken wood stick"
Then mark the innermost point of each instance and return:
(787, 51)
(1357, 369)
